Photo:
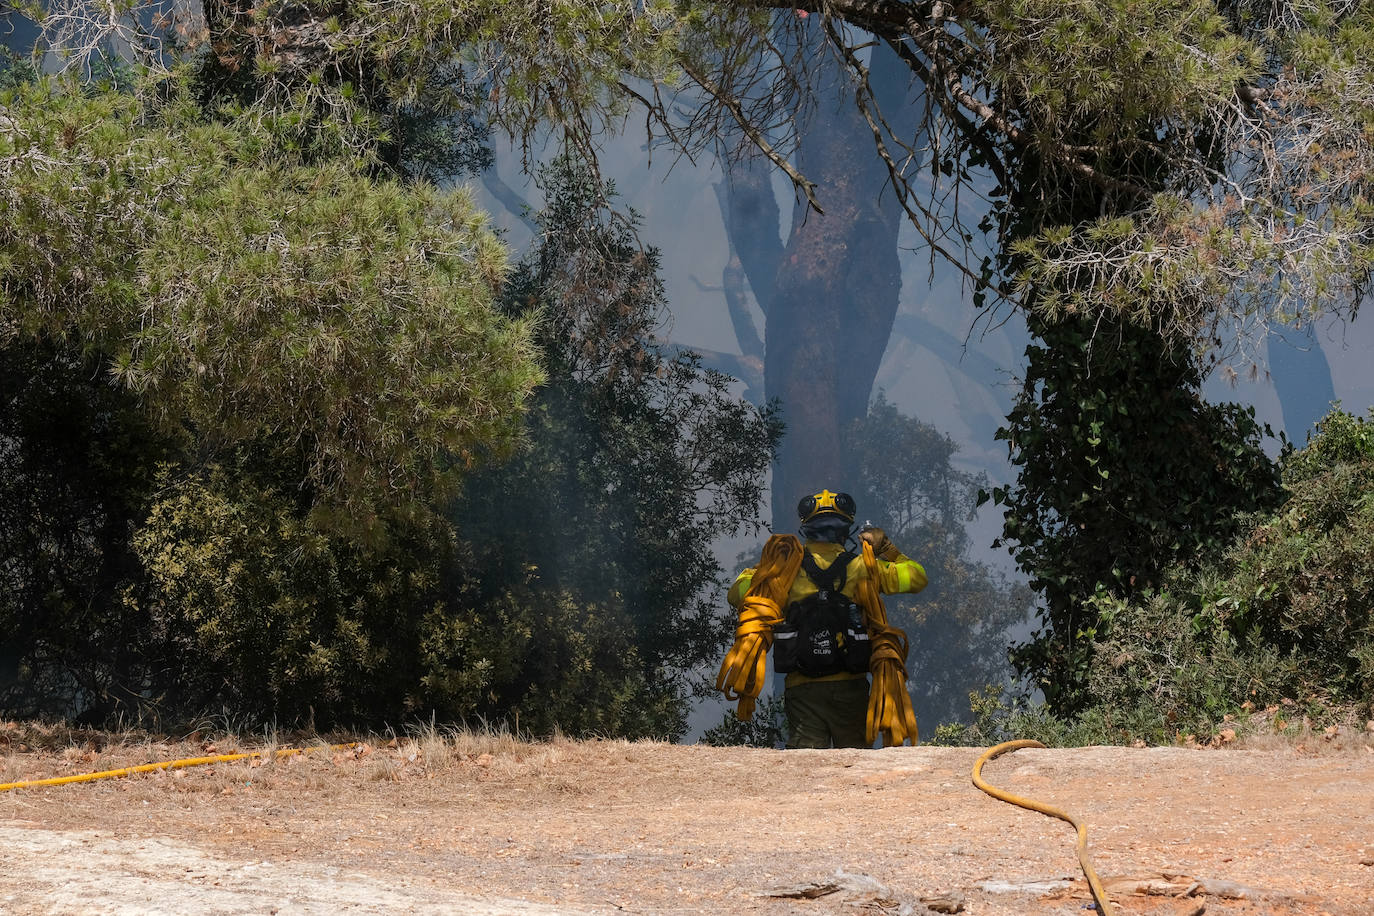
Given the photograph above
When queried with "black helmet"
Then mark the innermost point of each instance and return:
(826, 503)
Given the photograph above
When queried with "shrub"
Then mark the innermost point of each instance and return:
(1286, 614)
(767, 728)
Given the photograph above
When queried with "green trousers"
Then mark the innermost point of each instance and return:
(827, 714)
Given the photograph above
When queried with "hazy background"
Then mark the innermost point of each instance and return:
(945, 364)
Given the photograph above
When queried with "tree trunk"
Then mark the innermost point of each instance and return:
(1302, 379)
(830, 294)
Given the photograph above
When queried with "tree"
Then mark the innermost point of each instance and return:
(636, 463)
(266, 370)
(245, 295)
(1124, 473)
(828, 290)
(958, 625)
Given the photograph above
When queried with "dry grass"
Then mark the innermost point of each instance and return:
(10, 767)
(1286, 727)
(1303, 737)
(34, 751)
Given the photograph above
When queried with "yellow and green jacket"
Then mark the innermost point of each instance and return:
(897, 576)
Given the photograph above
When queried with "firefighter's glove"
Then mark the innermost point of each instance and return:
(883, 548)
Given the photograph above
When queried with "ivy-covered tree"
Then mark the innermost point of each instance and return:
(1124, 472)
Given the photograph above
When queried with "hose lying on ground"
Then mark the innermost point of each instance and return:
(1094, 885)
(165, 765)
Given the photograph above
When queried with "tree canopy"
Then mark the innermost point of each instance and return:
(1230, 140)
(248, 295)
(1229, 145)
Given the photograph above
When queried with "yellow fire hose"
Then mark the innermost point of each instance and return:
(890, 713)
(1094, 885)
(742, 673)
(166, 765)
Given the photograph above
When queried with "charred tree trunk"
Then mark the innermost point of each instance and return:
(836, 297)
(829, 294)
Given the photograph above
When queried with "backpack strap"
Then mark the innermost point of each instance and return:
(830, 579)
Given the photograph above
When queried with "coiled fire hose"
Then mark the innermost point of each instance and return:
(165, 765)
(742, 673)
(1094, 885)
(890, 713)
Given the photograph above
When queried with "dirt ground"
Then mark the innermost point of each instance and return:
(607, 826)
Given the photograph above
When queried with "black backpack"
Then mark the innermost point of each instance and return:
(824, 633)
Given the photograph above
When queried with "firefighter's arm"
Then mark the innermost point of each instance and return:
(902, 574)
(898, 572)
(740, 588)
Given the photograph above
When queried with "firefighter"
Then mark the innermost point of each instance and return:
(822, 643)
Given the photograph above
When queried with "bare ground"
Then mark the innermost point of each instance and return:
(431, 826)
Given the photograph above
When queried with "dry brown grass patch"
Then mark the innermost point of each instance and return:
(450, 756)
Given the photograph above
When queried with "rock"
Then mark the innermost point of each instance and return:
(850, 883)
(944, 903)
(1027, 887)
